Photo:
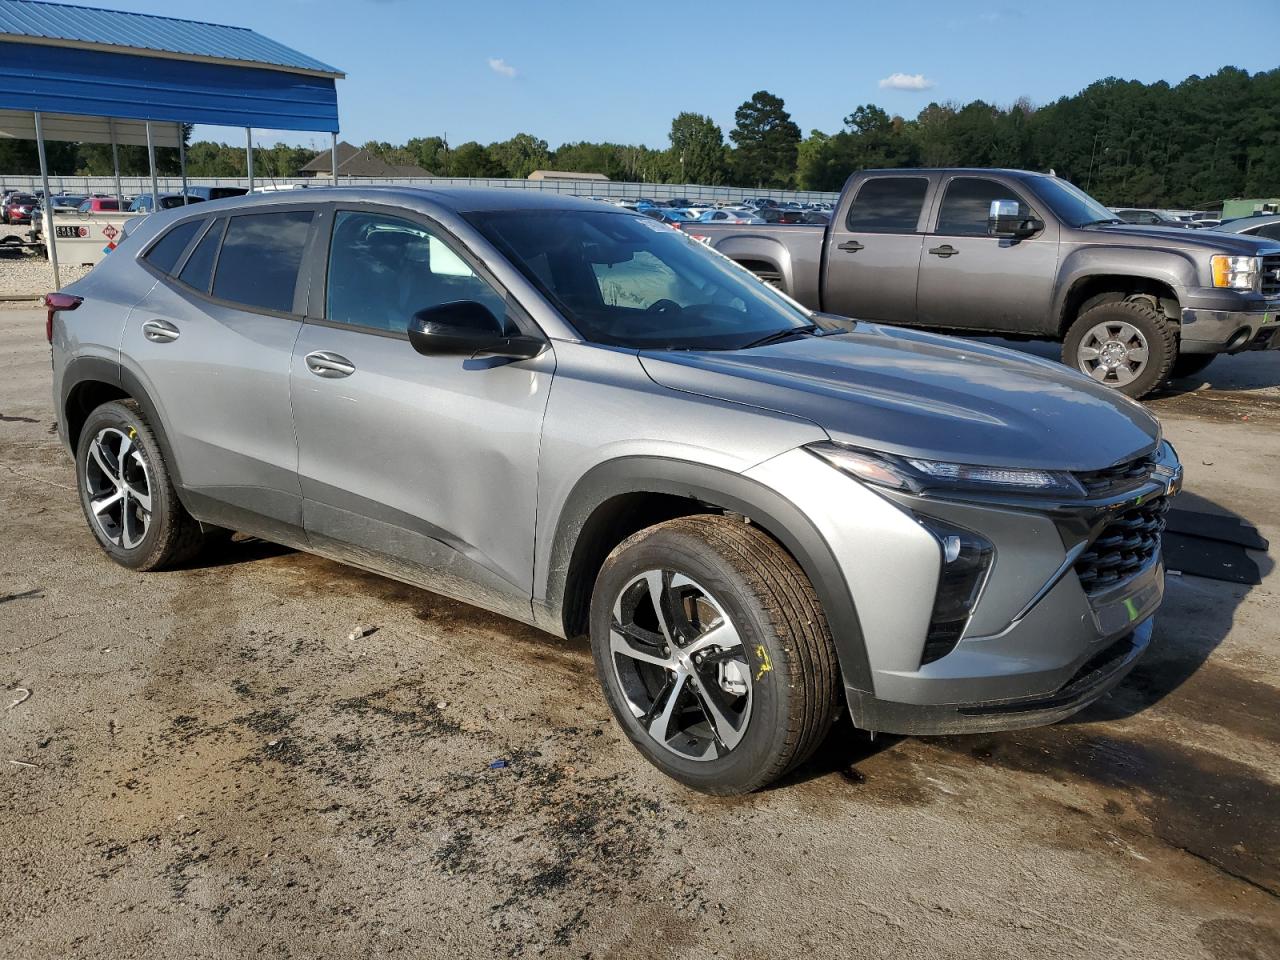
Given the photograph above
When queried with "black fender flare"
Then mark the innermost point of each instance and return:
(729, 491)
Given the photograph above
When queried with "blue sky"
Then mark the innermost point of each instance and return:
(577, 70)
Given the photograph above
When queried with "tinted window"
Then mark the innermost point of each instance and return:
(1271, 231)
(198, 270)
(888, 205)
(967, 204)
(383, 270)
(260, 257)
(168, 249)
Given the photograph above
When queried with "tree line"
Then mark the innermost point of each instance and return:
(1185, 145)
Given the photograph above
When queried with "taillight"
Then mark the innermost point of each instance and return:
(56, 302)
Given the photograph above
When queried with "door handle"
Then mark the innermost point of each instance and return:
(160, 331)
(329, 365)
(853, 246)
(944, 251)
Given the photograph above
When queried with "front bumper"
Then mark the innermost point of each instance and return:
(1226, 322)
(1037, 647)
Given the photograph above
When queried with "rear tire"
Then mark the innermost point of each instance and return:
(127, 494)
(1190, 364)
(749, 674)
(1128, 345)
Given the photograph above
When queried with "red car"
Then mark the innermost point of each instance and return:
(18, 208)
(99, 204)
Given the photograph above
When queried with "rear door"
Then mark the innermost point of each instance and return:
(972, 281)
(423, 467)
(214, 339)
(873, 250)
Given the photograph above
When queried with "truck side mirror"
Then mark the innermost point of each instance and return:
(1006, 219)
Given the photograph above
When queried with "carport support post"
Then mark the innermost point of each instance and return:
(333, 155)
(182, 162)
(46, 207)
(115, 162)
(151, 159)
(248, 155)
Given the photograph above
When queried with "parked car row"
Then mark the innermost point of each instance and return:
(20, 207)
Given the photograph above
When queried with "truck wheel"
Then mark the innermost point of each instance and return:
(126, 492)
(1189, 364)
(1125, 344)
(714, 653)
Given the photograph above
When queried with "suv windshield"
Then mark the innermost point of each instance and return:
(1069, 203)
(633, 282)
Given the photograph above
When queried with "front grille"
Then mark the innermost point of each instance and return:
(1099, 483)
(1126, 545)
(1271, 275)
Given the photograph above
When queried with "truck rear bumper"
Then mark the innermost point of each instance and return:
(1215, 329)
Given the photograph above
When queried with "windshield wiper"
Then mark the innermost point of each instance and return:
(807, 329)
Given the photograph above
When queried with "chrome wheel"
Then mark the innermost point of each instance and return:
(680, 664)
(118, 483)
(1113, 352)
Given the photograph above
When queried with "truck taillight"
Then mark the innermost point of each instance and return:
(55, 302)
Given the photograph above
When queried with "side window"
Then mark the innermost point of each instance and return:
(165, 252)
(888, 205)
(383, 270)
(197, 272)
(967, 203)
(260, 258)
(1270, 230)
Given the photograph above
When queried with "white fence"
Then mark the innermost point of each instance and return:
(132, 186)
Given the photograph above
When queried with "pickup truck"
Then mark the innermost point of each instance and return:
(1027, 255)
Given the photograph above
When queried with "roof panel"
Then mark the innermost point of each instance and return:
(140, 31)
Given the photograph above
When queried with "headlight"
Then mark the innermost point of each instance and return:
(908, 473)
(1238, 273)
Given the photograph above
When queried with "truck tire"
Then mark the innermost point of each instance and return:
(1189, 364)
(126, 492)
(714, 653)
(1125, 344)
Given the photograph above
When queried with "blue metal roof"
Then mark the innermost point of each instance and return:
(142, 32)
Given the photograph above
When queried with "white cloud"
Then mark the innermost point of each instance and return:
(906, 81)
(500, 66)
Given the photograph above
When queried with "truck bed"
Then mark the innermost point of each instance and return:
(788, 255)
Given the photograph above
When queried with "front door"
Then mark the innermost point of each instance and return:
(873, 251)
(421, 467)
(969, 280)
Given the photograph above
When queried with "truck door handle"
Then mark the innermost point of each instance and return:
(944, 251)
(160, 331)
(853, 246)
(329, 365)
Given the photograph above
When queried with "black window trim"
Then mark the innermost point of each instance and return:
(225, 218)
(182, 256)
(318, 304)
(924, 204)
(936, 217)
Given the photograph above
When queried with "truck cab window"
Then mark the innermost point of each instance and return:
(967, 203)
(888, 205)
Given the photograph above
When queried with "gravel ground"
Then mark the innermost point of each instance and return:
(210, 767)
(25, 272)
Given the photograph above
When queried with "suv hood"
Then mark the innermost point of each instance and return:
(924, 395)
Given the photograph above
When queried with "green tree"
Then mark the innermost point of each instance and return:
(767, 142)
(697, 150)
(473, 160)
(521, 155)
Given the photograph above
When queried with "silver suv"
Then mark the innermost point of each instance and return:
(584, 420)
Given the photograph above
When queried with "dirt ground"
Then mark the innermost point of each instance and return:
(209, 767)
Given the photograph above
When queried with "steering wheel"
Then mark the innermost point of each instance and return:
(663, 306)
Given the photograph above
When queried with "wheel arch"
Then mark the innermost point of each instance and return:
(616, 498)
(1092, 274)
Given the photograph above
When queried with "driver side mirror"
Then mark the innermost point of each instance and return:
(467, 328)
(1006, 219)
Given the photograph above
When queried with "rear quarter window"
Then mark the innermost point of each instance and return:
(167, 251)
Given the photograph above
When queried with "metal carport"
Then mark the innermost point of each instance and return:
(107, 76)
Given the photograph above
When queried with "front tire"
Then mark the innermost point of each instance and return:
(714, 653)
(126, 492)
(1125, 344)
